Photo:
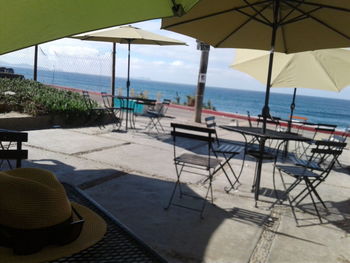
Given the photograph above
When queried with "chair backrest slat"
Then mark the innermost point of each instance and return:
(211, 123)
(192, 136)
(10, 136)
(87, 99)
(330, 143)
(106, 100)
(325, 154)
(192, 128)
(326, 151)
(13, 154)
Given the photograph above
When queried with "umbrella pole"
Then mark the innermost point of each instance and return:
(113, 72)
(266, 110)
(35, 73)
(128, 86)
(292, 107)
(275, 25)
(289, 129)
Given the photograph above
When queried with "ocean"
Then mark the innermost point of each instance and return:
(316, 109)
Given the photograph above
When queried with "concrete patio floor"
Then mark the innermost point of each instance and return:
(132, 175)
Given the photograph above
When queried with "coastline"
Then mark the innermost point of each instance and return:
(97, 96)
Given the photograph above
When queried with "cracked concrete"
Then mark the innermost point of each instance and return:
(132, 175)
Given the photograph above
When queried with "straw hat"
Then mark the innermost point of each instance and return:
(38, 223)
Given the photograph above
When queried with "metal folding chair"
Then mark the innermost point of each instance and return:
(11, 148)
(327, 131)
(226, 149)
(194, 163)
(114, 112)
(95, 113)
(325, 155)
(155, 116)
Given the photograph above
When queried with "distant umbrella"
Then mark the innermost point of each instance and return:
(128, 35)
(326, 69)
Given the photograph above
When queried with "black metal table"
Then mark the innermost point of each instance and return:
(258, 133)
(127, 105)
(118, 245)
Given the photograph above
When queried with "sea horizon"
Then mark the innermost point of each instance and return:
(232, 100)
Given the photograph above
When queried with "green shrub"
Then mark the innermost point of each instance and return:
(36, 99)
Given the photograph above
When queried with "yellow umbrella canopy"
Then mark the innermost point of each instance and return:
(277, 25)
(26, 23)
(126, 34)
(326, 69)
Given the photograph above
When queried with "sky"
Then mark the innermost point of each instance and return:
(176, 64)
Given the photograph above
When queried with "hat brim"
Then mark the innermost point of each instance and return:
(94, 229)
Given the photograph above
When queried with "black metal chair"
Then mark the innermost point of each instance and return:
(95, 113)
(11, 148)
(114, 112)
(226, 149)
(312, 173)
(156, 115)
(327, 131)
(144, 104)
(184, 162)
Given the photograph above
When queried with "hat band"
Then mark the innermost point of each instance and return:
(29, 241)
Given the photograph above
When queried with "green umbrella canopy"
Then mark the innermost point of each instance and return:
(26, 23)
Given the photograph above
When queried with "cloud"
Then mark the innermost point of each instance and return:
(177, 63)
(72, 51)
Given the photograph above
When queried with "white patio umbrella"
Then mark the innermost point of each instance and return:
(128, 35)
(326, 69)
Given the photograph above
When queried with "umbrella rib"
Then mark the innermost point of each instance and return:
(301, 17)
(321, 22)
(255, 18)
(319, 5)
(242, 25)
(287, 15)
(259, 12)
(283, 37)
(285, 66)
(329, 76)
(214, 14)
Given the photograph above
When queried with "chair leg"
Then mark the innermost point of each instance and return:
(160, 125)
(305, 195)
(227, 177)
(307, 182)
(287, 190)
(177, 184)
(210, 189)
(274, 184)
(227, 161)
(255, 171)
